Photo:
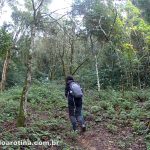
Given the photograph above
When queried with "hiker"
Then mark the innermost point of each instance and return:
(74, 97)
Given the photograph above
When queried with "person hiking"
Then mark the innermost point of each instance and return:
(74, 94)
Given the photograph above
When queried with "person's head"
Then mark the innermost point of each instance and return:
(69, 78)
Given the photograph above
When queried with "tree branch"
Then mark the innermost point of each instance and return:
(34, 10)
(58, 10)
(39, 5)
(33, 6)
(113, 23)
(86, 59)
(105, 34)
(56, 20)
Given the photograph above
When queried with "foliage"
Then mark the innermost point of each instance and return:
(121, 41)
(5, 41)
(144, 5)
(47, 118)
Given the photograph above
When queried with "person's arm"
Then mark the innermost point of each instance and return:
(66, 90)
(82, 90)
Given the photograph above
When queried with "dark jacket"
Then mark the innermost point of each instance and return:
(67, 88)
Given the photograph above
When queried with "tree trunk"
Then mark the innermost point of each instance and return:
(131, 75)
(96, 63)
(139, 80)
(146, 72)
(23, 102)
(127, 77)
(52, 72)
(62, 57)
(122, 85)
(97, 73)
(5, 70)
(64, 67)
(71, 55)
(24, 96)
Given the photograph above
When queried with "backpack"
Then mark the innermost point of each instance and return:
(76, 90)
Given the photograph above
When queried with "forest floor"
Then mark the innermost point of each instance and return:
(95, 138)
(113, 122)
(98, 138)
(101, 139)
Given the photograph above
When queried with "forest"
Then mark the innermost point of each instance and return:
(104, 45)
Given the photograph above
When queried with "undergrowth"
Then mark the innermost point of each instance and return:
(48, 117)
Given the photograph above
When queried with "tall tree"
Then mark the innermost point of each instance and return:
(99, 20)
(36, 8)
(6, 46)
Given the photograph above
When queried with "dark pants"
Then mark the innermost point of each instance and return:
(75, 111)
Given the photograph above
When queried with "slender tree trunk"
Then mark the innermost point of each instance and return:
(131, 75)
(71, 55)
(97, 73)
(146, 71)
(139, 80)
(112, 73)
(5, 70)
(52, 68)
(52, 72)
(72, 42)
(96, 62)
(62, 56)
(64, 67)
(63, 62)
(131, 79)
(122, 85)
(127, 77)
(23, 102)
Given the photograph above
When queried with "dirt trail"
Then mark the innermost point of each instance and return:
(99, 139)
